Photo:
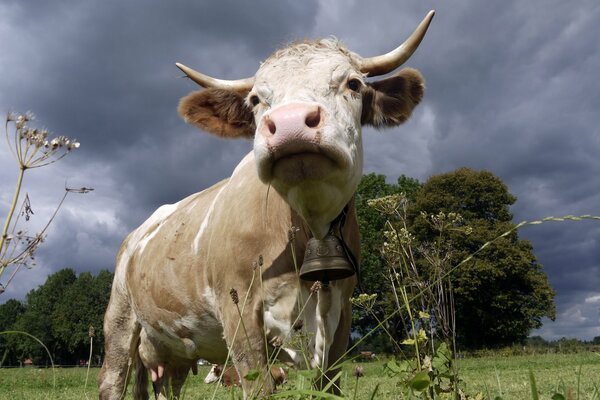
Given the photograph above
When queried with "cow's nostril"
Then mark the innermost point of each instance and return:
(313, 118)
(272, 127)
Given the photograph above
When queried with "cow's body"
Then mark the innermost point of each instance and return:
(174, 275)
(184, 278)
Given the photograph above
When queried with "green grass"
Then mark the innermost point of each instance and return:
(493, 376)
(509, 376)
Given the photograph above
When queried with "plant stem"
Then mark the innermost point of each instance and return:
(10, 215)
(412, 323)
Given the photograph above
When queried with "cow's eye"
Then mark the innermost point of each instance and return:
(254, 100)
(354, 84)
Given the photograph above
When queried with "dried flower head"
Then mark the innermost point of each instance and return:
(292, 233)
(234, 296)
(298, 325)
(91, 331)
(32, 148)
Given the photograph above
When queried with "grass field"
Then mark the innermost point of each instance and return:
(493, 376)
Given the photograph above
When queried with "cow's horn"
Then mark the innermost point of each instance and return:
(209, 82)
(385, 63)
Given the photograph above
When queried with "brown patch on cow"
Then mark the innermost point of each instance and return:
(390, 102)
(220, 112)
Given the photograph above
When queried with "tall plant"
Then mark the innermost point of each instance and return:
(31, 148)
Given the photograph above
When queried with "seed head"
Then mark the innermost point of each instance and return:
(358, 372)
(316, 287)
(292, 233)
(234, 296)
(91, 331)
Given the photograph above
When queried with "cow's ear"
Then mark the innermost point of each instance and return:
(220, 112)
(389, 102)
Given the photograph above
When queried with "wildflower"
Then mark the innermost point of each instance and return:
(31, 149)
(91, 331)
(364, 300)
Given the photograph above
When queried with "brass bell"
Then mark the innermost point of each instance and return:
(325, 260)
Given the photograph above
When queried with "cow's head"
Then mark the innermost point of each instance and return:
(304, 108)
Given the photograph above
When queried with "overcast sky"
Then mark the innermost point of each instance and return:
(512, 87)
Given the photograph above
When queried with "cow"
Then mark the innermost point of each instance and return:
(229, 376)
(367, 356)
(215, 276)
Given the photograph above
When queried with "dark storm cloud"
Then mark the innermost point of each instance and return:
(104, 73)
(511, 87)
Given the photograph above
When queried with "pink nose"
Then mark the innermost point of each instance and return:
(292, 123)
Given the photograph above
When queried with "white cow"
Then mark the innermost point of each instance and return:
(172, 300)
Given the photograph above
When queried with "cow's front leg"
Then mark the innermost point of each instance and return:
(121, 334)
(246, 342)
(329, 308)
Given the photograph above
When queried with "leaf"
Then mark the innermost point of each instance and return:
(558, 396)
(443, 351)
(420, 381)
(534, 391)
(252, 375)
(375, 391)
(393, 366)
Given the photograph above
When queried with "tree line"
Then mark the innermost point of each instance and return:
(498, 297)
(65, 314)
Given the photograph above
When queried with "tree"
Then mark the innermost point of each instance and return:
(60, 313)
(503, 292)
(9, 312)
(374, 271)
(37, 318)
(81, 306)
